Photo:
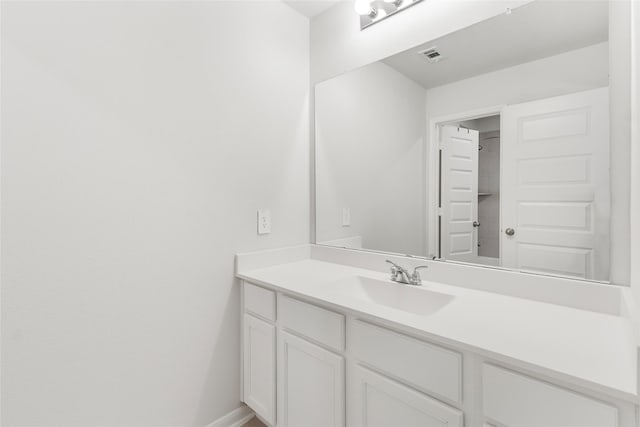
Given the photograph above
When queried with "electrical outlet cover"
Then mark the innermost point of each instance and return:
(264, 221)
(346, 217)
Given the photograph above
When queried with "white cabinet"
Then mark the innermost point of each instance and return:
(295, 354)
(426, 367)
(259, 367)
(310, 384)
(260, 301)
(515, 400)
(312, 322)
(377, 401)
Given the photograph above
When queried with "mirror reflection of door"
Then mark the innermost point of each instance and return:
(459, 193)
(555, 211)
(550, 211)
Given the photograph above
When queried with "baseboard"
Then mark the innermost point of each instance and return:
(235, 418)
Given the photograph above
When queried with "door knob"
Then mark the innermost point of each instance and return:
(476, 224)
(510, 231)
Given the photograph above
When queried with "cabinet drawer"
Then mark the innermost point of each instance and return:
(519, 401)
(260, 301)
(318, 324)
(422, 365)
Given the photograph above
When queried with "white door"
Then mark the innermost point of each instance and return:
(310, 384)
(555, 185)
(377, 401)
(260, 367)
(459, 193)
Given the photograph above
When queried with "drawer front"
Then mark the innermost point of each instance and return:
(380, 401)
(260, 301)
(425, 366)
(315, 323)
(519, 401)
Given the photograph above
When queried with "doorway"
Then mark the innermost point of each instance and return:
(469, 202)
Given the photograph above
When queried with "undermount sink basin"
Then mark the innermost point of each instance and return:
(412, 299)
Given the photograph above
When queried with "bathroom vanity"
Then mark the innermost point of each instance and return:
(329, 340)
(496, 168)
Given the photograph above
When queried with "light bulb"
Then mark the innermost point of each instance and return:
(362, 7)
(381, 14)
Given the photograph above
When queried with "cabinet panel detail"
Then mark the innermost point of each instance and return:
(422, 365)
(378, 401)
(318, 324)
(259, 367)
(310, 384)
(519, 401)
(260, 301)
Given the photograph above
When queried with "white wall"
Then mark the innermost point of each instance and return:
(635, 151)
(484, 124)
(562, 74)
(370, 126)
(138, 140)
(620, 133)
(338, 45)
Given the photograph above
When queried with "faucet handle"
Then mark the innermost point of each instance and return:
(415, 277)
(393, 264)
(394, 273)
(395, 269)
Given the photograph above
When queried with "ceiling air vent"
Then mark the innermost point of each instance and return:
(432, 55)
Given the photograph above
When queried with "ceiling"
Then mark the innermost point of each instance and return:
(534, 31)
(311, 8)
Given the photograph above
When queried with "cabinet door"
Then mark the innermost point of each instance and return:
(260, 367)
(377, 401)
(515, 400)
(310, 384)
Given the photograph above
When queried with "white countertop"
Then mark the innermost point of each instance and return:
(585, 348)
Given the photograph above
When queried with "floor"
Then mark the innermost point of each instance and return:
(255, 422)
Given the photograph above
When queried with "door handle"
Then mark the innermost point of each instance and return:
(509, 231)
(476, 224)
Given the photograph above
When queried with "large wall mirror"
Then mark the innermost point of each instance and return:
(487, 146)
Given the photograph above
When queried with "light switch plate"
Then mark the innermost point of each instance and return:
(346, 217)
(264, 221)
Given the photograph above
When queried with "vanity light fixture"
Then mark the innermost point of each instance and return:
(364, 8)
(374, 11)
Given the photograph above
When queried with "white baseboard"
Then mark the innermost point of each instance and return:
(235, 418)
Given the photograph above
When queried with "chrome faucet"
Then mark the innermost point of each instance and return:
(401, 275)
